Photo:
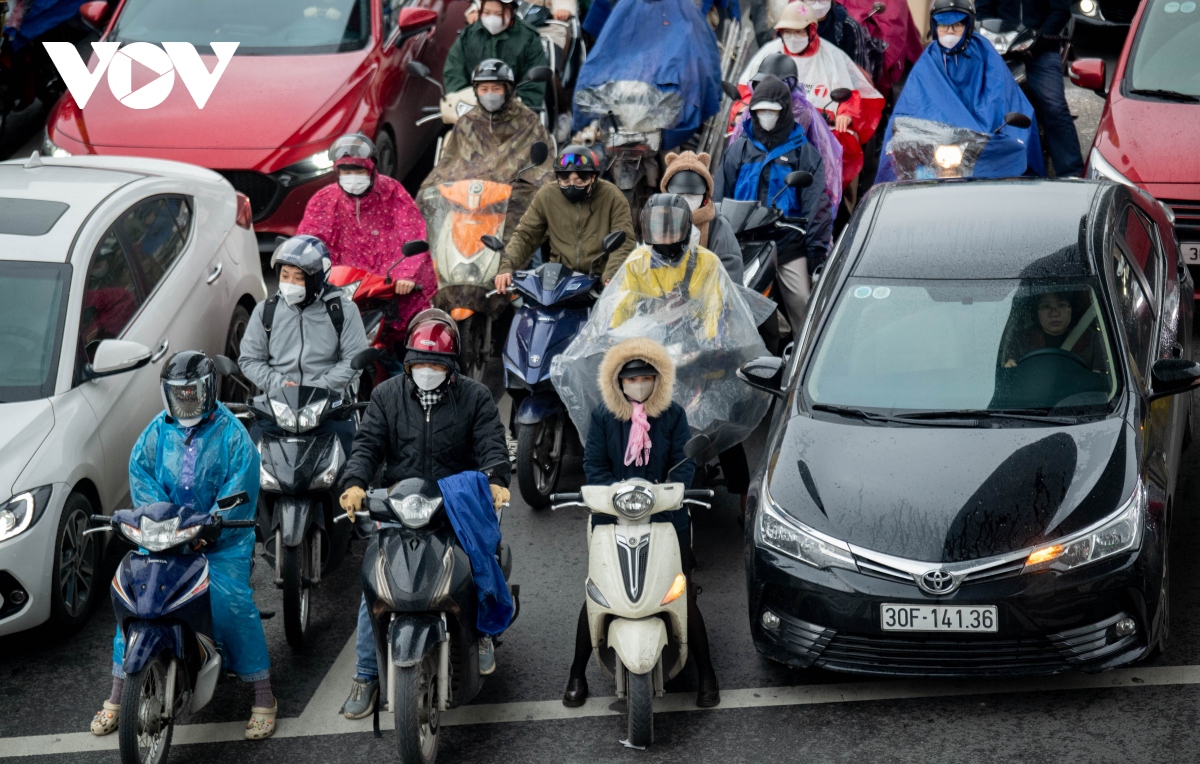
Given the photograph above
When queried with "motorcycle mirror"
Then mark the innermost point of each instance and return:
(417, 69)
(613, 241)
(731, 91)
(233, 500)
(1018, 120)
(539, 74)
(493, 243)
(877, 8)
(414, 247)
(365, 358)
(798, 179)
(538, 153)
(95, 14)
(225, 367)
(840, 95)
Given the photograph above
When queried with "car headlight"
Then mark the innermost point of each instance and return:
(1088, 7)
(785, 535)
(1122, 532)
(349, 290)
(285, 416)
(1100, 169)
(305, 170)
(52, 149)
(19, 513)
(155, 536)
(634, 502)
(415, 510)
(329, 474)
(948, 157)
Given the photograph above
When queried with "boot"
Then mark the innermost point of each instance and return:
(708, 695)
(577, 686)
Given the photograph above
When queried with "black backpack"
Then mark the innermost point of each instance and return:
(332, 307)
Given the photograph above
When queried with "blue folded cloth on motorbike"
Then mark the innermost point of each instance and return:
(468, 501)
(972, 89)
(40, 17)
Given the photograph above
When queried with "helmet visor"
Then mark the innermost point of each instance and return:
(190, 399)
(352, 146)
(663, 224)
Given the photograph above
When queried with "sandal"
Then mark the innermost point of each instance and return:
(105, 721)
(262, 722)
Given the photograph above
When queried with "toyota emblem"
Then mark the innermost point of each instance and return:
(937, 582)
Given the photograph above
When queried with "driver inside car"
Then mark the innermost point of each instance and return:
(1056, 320)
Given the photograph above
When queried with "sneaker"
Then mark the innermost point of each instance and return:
(363, 694)
(487, 656)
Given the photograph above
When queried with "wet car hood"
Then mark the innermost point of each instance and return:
(946, 494)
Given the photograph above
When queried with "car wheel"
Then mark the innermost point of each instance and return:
(385, 154)
(74, 585)
(236, 388)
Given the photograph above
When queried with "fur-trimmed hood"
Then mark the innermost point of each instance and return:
(651, 352)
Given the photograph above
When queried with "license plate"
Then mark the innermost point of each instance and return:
(958, 618)
(1191, 252)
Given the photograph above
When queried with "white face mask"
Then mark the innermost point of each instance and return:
(292, 294)
(948, 41)
(428, 379)
(637, 391)
(819, 9)
(492, 102)
(795, 42)
(767, 119)
(355, 185)
(493, 24)
(694, 200)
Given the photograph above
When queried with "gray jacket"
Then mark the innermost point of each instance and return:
(723, 244)
(303, 346)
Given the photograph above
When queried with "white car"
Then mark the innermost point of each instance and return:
(107, 266)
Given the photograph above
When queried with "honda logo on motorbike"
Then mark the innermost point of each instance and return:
(172, 57)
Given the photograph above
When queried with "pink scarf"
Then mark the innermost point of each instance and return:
(637, 451)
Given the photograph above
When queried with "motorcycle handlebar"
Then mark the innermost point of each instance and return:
(699, 493)
(238, 523)
(100, 519)
(559, 498)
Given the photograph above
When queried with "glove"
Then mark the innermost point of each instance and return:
(351, 501)
(500, 496)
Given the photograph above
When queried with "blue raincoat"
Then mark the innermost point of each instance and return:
(196, 466)
(971, 89)
(40, 17)
(600, 10)
(666, 44)
(750, 175)
(471, 510)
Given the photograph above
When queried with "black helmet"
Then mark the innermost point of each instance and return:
(354, 146)
(638, 367)
(309, 254)
(666, 220)
(575, 158)
(188, 384)
(964, 7)
(493, 70)
(687, 182)
(777, 65)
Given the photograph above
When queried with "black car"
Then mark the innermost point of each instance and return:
(972, 464)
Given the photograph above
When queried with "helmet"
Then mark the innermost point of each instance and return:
(779, 65)
(493, 70)
(309, 254)
(666, 220)
(687, 182)
(576, 158)
(353, 146)
(951, 12)
(638, 367)
(433, 332)
(796, 16)
(188, 384)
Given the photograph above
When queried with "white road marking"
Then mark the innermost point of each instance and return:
(321, 717)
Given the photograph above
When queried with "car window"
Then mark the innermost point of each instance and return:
(111, 297)
(1164, 56)
(29, 217)
(1133, 235)
(32, 308)
(1136, 306)
(154, 233)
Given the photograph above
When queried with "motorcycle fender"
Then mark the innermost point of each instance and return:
(639, 643)
(295, 514)
(413, 635)
(206, 681)
(538, 407)
(146, 639)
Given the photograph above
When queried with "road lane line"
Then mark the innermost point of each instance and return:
(330, 693)
(320, 717)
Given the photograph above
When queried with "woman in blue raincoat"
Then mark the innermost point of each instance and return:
(192, 454)
(960, 81)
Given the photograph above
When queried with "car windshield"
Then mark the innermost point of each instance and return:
(262, 27)
(1165, 57)
(32, 307)
(900, 346)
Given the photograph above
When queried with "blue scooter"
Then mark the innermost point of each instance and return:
(160, 597)
(556, 304)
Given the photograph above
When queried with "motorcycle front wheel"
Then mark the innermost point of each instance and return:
(298, 567)
(417, 712)
(639, 697)
(143, 733)
(539, 459)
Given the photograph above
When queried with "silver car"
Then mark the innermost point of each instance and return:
(107, 265)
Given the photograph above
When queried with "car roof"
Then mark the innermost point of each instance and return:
(977, 229)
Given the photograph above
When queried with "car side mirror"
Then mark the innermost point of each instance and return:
(1088, 73)
(538, 153)
(798, 179)
(116, 357)
(731, 90)
(1171, 376)
(840, 95)
(764, 374)
(225, 367)
(612, 242)
(410, 23)
(364, 358)
(95, 14)
(493, 243)
(539, 74)
(1018, 120)
(233, 500)
(414, 247)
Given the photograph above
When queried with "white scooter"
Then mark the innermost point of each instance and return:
(636, 603)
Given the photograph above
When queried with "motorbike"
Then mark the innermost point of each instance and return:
(556, 302)
(461, 105)
(1017, 44)
(161, 600)
(636, 591)
(925, 150)
(566, 51)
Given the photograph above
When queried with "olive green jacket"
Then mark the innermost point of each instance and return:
(519, 46)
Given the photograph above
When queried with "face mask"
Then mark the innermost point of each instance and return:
(493, 24)
(795, 43)
(820, 9)
(766, 119)
(492, 102)
(694, 200)
(948, 41)
(292, 294)
(637, 391)
(428, 379)
(355, 185)
(575, 194)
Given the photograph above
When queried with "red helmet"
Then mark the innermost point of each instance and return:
(433, 331)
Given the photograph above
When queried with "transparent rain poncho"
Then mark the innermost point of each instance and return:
(925, 150)
(707, 323)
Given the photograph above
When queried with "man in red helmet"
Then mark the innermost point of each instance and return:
(429, 422)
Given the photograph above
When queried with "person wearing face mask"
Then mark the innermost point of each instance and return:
(961, 81)
(687, 175)
(430, 422)
(497, 33)
(836, 25)
(755, 166)
(573, 216)
(639, 432)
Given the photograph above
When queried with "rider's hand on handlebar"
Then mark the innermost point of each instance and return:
(842, 123)
(562, 15)
(502, 282)
(352, 500)
(500, 496)
(404, 287)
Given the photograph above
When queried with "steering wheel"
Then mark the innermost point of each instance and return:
(1054, 353)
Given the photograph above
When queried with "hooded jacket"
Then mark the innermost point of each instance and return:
(716, 234)
(519, 46)
(303, 345)
(604, 454)
(695, 281)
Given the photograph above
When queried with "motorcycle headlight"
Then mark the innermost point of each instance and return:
(465, 273)
(305, 170)
(155, 536)
(285, 416)
(1122, 532)
(948, 157)
(310, 416)
(1088, 7)
(329, 474)
(415, 510)
(751, 272)
(52, 149)
(792, 538)
(1100, 169)
(19, 513)
(634, 502)
(349, 290)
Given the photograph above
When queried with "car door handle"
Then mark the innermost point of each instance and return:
(160, 351)
(215, 274)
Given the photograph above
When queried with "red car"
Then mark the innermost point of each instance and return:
(304, 73)
(1149, 134)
